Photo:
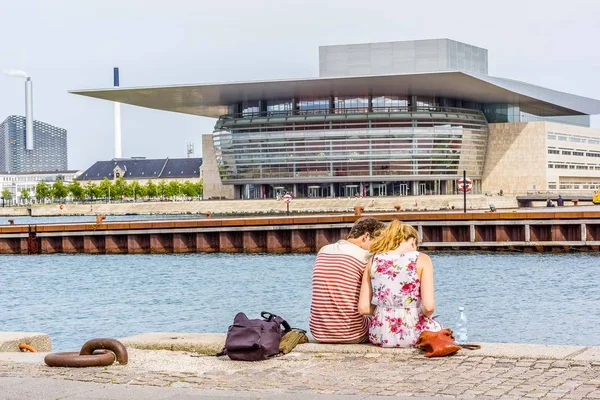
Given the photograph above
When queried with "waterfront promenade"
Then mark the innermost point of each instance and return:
(497, 371)
(225, 207)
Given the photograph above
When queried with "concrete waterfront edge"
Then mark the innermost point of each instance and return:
(211, 343)
(9, 341)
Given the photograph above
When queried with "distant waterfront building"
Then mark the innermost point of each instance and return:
(142, 170)
(15, 183)
(386, 119)
(48, 154)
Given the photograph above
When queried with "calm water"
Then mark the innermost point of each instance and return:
(525, 298)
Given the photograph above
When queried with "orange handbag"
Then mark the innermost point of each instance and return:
(437, 344)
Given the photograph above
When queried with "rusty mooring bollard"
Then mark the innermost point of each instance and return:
(11, 221)
(397, 207)
(100, 218)
(358, 210)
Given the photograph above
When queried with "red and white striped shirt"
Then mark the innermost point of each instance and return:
(337, 276)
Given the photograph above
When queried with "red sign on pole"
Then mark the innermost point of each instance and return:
(465, 185)
(287, 199)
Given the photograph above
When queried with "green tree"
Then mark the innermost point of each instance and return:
(189, 189)
(25, 195)
(135, 190)
(59, 190)
(151, 189)
(76, 190)
(105, 188)
(6, 195)
(161, 188)
(43, 191)
(91, 190)
(119, 188)
(173, 189)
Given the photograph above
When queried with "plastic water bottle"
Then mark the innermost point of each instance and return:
(460, 333)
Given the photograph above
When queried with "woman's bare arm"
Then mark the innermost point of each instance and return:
(366, 292)
(425, 266)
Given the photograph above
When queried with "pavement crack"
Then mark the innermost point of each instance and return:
(576, 353)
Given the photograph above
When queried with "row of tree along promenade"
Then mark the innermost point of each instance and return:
(106, 189)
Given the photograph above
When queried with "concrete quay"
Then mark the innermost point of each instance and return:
(10, 341)
(497, 371)
(266, 206)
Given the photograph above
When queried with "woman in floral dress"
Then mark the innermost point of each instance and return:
(397, 288)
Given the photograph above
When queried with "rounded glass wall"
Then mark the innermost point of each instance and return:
(380, 138)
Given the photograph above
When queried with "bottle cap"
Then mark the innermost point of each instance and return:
(461, 309)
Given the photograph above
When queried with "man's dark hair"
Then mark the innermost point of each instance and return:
(365, 225)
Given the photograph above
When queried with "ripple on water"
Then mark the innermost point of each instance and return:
(527, 298)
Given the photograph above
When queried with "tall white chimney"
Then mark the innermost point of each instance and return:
(28, 114)
(16, 73)
(117, 106)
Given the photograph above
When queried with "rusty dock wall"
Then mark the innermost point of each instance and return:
(519, 231)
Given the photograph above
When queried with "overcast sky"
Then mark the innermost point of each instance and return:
(74, 44)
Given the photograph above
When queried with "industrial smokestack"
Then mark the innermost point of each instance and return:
(117, 117)
(15, 73)
(28, 114)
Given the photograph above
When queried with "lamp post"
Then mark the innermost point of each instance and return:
(15, 73)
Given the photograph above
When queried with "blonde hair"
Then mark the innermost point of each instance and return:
(391, 237)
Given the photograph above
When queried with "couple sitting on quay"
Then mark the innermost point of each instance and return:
(373, 287)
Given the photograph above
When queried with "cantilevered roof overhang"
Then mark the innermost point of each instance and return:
(211, 100)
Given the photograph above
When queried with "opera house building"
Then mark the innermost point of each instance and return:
(386, 119)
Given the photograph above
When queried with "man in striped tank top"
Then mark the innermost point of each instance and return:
(337, 275)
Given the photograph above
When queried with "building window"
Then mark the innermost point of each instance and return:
(279, 107)
(250, 108)
(390, 103)
(551, 137)
(578, 153)
(351, 104)
(566, 153)
(551, 151)
(313, 106)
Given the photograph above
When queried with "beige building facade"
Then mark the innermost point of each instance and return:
(214, 188)
(540, 157)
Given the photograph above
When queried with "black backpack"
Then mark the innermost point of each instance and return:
(254, 339)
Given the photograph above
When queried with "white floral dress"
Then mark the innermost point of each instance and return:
(398, 320)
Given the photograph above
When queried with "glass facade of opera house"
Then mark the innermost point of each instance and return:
(373, 145)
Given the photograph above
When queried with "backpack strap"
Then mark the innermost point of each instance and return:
(221, 353)
(470, 346)
(267, 316)
(283, 322)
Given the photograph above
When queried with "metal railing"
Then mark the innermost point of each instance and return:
(353, 111)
